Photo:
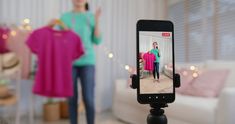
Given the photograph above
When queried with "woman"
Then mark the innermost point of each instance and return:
(156, 52)
(86, 25)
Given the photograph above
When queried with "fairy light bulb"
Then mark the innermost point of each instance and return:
(192, 68)
(26, 21)
(13, 33)
(110, 55)
(127, 67)
(195, 75)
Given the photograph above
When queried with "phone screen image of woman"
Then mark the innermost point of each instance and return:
(155, 62)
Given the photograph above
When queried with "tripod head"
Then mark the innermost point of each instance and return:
(156, 115)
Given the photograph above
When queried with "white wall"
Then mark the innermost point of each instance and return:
(118, 24)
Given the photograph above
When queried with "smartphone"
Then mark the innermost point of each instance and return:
(155, 61)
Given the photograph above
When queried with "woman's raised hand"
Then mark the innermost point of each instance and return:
(97, 14)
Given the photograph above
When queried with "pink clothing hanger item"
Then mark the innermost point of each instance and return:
(56, 51)
(149, 59)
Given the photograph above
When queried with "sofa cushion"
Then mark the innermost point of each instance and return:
(230, 82)
(199, 110)
(208, 84)
(186, 78)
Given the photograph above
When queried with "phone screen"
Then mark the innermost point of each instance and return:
(155, 62)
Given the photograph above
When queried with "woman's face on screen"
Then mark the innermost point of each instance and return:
(79, 2)
(155, 45)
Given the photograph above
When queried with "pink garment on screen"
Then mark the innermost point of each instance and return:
(17, 44)
(56, 51)
(149, 59)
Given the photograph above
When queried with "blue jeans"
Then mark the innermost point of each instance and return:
(86, 74)
(156, 69)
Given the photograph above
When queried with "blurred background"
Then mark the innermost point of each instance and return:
(204, 53)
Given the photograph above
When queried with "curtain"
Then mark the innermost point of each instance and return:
(203, 30)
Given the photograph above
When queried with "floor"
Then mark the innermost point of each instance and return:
(103, 118)
(6, 113)
(150, 85)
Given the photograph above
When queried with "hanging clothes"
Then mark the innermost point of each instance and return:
(149, 59)
(17, 43)
(56, 51)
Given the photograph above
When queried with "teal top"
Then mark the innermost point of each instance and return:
(156, 52)
(83, 24)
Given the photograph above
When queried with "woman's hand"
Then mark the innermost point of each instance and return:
(97, 17)
(51, 22)
(97, 14)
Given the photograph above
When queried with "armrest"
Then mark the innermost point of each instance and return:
(226, 110)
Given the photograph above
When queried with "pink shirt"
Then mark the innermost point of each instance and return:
(149, 59)
(56, 51)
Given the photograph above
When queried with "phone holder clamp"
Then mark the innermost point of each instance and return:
(156, 115)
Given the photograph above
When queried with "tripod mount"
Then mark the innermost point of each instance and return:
(156, 115)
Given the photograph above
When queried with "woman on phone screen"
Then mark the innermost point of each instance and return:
(156, 52)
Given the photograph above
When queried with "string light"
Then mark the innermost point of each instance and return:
(110, 55)
(192, 68)
(26, 26)
(195, 75)
(127, 67)
(26, 21)
(13, 33)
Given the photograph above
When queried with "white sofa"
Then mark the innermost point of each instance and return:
(185, 109)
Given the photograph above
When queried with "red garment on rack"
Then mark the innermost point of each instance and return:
(149, 59)
(3, 37)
